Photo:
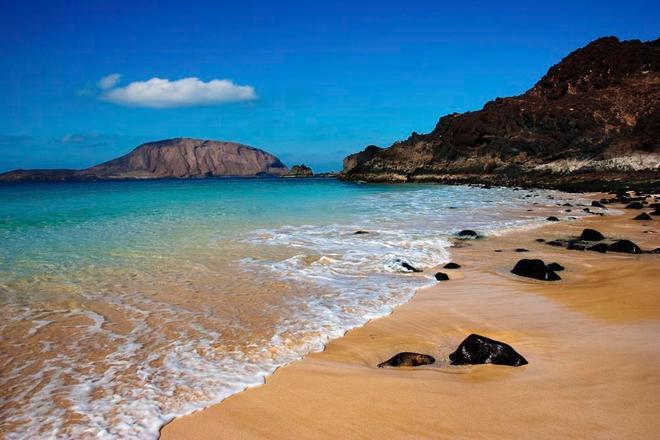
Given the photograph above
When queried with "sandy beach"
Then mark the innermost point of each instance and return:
(591, 340)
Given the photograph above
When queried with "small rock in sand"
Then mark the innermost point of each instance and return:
(468, 233)
(408, 359)
(452, 266)
(477, 349)
(521, 250)
(361, 232)
(440, 276)
(596, 204)
(555, 266)
(634, 205)
(552, 218)
(643, 216)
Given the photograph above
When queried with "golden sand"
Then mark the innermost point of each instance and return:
(591, 339)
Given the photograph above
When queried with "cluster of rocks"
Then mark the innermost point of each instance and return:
(592, 240)
(475, 349)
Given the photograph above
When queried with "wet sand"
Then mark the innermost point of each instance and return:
(591, 340)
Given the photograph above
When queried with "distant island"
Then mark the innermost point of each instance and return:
(171, 158)
(592, 122)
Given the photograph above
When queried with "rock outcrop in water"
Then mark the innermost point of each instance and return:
(301, 170)
(172, 158)
(592, 122)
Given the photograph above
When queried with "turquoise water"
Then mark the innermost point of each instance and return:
(125, 304)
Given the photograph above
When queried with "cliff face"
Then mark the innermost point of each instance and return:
(593, 119)
(172, 158)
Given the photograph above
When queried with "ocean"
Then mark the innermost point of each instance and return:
(125, 304)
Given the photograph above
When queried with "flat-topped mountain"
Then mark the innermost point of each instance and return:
(172, 158)
(592, 121)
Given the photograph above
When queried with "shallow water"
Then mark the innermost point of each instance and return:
(124, 304)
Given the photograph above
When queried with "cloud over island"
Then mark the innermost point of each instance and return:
(184, 92)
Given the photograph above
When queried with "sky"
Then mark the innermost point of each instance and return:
(82, 82)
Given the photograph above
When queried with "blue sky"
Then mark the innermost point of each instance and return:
(308, 81)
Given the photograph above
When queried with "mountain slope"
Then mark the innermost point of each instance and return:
(593, 120)
(172, 158)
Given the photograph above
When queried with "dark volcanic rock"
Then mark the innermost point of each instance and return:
(552, 218)
(655, 251)
(591, 235)
(596, 204)
(598, 106)
(600, 247)
(555, 243)
(643, 216)
(634, 205)
(555, 266)
(440, 276)
(468, 233)
(360, 232)
(540, 240)
(521, 250)
(624, 246)
(534, 269)
(656, 212)
(408, 359)
(476, 349)
(576, 246)
(452, 266)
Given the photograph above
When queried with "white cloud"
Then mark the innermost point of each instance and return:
(185, 92)
(109, 81)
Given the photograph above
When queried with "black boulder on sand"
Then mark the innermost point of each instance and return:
(643, 216)
(624, 246)
(452, 266)
(476, 349)
(600, 247)
(408, 359)
(534, 269)
(634, 205)
(440, 276)
(555, 266)
(591, 235)
(552, 218)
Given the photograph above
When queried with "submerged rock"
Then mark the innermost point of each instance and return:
(477, 349)
(534, 269)
(360, 232)
(468, 233)
(440, 276)
(624, 246)
(591, 235)
(452, 266)
(643, 216)
(409, 266)
(408, 359)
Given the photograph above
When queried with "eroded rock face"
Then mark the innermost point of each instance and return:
(536, 269)
(477, 349)
(172, 158)
(408, 359)
(591, 122)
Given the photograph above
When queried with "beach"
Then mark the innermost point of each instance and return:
(590, 340)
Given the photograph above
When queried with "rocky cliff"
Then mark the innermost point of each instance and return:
(172, 158)
(592, 121)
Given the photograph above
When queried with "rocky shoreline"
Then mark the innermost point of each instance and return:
(590, 124)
